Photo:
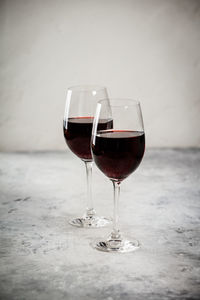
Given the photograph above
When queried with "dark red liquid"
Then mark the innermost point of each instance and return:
(118, 153)
(77, 132)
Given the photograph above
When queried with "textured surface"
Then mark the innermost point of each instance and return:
(143, 49)
(43, 257)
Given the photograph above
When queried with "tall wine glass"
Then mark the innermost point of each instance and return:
(117, 152)
(77, 126)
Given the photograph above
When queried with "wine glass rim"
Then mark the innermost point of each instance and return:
(119, 102)
(86, 87)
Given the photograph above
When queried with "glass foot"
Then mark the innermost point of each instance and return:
(116, 245)
(90, 222)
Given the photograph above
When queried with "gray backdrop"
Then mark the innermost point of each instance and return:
(148, 50)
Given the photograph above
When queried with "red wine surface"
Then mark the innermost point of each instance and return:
(117, 153)
(77, 133)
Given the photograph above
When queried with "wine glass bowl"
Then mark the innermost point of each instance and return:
(117, 152)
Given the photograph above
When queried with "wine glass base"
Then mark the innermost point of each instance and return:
(90, 222)
(116, 245)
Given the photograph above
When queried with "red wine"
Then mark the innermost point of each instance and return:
(118, 153)
(77, 132)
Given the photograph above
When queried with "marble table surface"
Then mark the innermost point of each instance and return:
(43, 257)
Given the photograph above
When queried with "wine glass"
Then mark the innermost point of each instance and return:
(117, 152)
(77, 126)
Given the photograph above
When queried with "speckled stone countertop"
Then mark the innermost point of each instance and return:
(43, 257)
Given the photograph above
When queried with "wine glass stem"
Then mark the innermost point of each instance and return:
(90, 212)
(116, 189)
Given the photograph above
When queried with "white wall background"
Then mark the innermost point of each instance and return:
(144, 49)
